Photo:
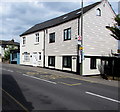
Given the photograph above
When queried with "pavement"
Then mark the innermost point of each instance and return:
(55, 73)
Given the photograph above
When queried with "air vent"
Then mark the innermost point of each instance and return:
(78, 12)
(65, 17)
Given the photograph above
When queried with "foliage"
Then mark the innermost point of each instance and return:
(7, 52)
(116, 28)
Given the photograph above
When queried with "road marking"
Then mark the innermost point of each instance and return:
(18, 71)
(83, 79)
(40, 79)
(15, 100)
(103, 97)
(9, 70)
(45, 72)
(32, 73)
(70, 84)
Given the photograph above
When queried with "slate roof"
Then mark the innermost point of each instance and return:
(11, 42)
(59, 20)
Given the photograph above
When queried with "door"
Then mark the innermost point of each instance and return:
(35, 59)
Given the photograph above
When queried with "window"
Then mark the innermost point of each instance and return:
(67, 61)
(51, 37)
(14, 56)
(24, 40)
(93, 63)
(51, 60)
(37, 37)
(39, 56)
(67, 34)
(98, 12)
(26, 56)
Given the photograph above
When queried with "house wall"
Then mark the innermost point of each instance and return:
(97, 40)
(30, 47)
(60, 47)
(1, 50)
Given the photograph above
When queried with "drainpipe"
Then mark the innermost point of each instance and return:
(44, 50)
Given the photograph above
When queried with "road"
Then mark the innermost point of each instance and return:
(28, 90)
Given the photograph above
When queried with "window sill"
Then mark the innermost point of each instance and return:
(93, 68)
(52, 65)
(26, 61)
(51, 42)
(67, 39)
(23, 45)
(66, 67)
(36, 43)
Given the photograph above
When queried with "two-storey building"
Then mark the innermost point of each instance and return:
(54, 43)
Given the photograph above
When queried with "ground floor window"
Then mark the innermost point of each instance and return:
(93, 63)
(39, 56)
(51, 60)
(14, 56)
(67, 61)
(26, 56)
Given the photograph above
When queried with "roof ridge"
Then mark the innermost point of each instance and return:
(59, 20)
(69, 13)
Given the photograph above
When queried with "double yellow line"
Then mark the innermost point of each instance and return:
(70, 84)
(24, 108)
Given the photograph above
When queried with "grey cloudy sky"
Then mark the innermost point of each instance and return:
(17, 17)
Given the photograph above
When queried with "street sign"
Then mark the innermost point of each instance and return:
(79, 38)
(81, 48)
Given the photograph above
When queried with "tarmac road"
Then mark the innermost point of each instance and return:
(28, 90)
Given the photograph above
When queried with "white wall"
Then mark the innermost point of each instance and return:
(118, 44)
(31, 46)
(96, 38)
(2, 50)
(60, 47)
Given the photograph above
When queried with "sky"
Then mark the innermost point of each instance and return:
(18, 16)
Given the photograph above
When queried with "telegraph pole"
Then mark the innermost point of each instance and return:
(80, 42)
(81, 70)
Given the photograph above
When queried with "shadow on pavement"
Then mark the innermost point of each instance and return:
(10, 86)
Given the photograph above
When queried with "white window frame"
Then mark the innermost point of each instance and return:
(37, 40)
(39, 56)
(26, 56)
(98, 12)
(24, 40)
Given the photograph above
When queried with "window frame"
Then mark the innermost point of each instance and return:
(52, 59)
(67, 34)
(51, 36)
(24, 40)
(39, 56)
(98, 12)
(26, 56)
(37, 39)
(93, 63)
(67, 66)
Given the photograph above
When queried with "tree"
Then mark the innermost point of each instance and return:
(116, 28)
(7, 52)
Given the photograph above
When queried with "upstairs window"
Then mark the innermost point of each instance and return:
(51, 37)
(24, 40)
(37, 37)
(67, 34)
(98, 12)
